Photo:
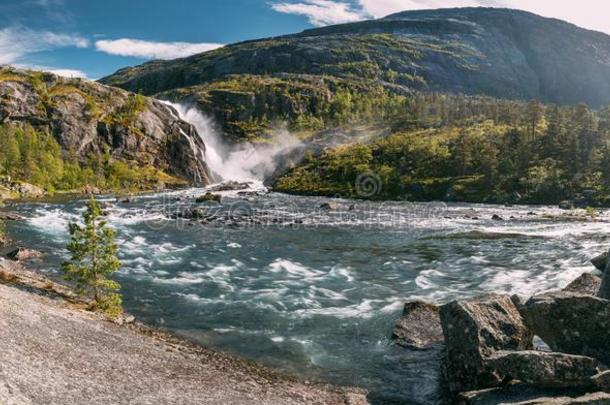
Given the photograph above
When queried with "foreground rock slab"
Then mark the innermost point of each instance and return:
(571, 323)
(523, 395)
(587, 284)
(474, 330)
(419, 327)
(544, 369)
(55, 354)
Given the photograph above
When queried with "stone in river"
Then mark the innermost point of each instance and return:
(545, 369)
(587, 284)
(571, 323)
(600, 261)
(419, 327)
(474, 330)
(21, 254)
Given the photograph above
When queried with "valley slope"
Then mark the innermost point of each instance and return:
(497, 52)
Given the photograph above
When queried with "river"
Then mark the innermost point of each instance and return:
(313, 292)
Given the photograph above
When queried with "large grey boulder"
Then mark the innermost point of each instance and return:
(600, 261)
(587, 284)
(571, 323)
(604, 290)
(602, 381)
(474, 331)
(419, 327)
(544, 369)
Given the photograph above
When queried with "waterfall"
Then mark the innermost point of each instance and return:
(245, 162)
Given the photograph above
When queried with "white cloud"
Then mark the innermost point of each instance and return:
(153, 50)
(71, 73)
(591, 14)
(16, 43)
(322, 12)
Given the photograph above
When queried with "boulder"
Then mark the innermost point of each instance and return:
(566, 205)
(602, 381)
(600, 261)
(604, 289)
(587, 284)
(496, 217)
(27, 190)
(21, 254)
(571, 323)
(329, 206)
(196, 213)
(209, 197)
(419, 327)
(230, 186)
(545, 369)
(10, 216)
(475, 330)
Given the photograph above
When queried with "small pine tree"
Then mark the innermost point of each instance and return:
(94, 260)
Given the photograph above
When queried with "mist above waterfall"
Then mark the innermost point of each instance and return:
(245, 162)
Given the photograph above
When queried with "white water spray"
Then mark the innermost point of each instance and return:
(242, 162)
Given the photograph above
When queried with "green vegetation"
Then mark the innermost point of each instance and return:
(32, 156)
(248, 106)
(494, 153)
(94, 260)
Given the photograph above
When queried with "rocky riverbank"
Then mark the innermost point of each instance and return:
(54, 351)
(550, 349)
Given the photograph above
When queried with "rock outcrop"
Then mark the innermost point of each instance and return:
(571, 323)
(474, 331)
(419, 327)
(488, 346)
(90, 120)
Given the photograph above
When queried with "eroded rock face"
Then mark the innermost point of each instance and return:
(474, 330)
(419, 327)
(571, 323)
(90, 119)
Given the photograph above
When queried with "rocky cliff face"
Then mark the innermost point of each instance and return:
(497, 52)
(89, 120)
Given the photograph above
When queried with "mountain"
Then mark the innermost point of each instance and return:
(477, 51)
(66, 133)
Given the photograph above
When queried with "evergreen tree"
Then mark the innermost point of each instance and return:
(94, 260)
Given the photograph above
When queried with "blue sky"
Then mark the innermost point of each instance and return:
(94, 38)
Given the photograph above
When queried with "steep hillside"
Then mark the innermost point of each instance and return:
(67, 133)
(497, 52)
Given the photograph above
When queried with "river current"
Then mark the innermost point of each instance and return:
(313, 292)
